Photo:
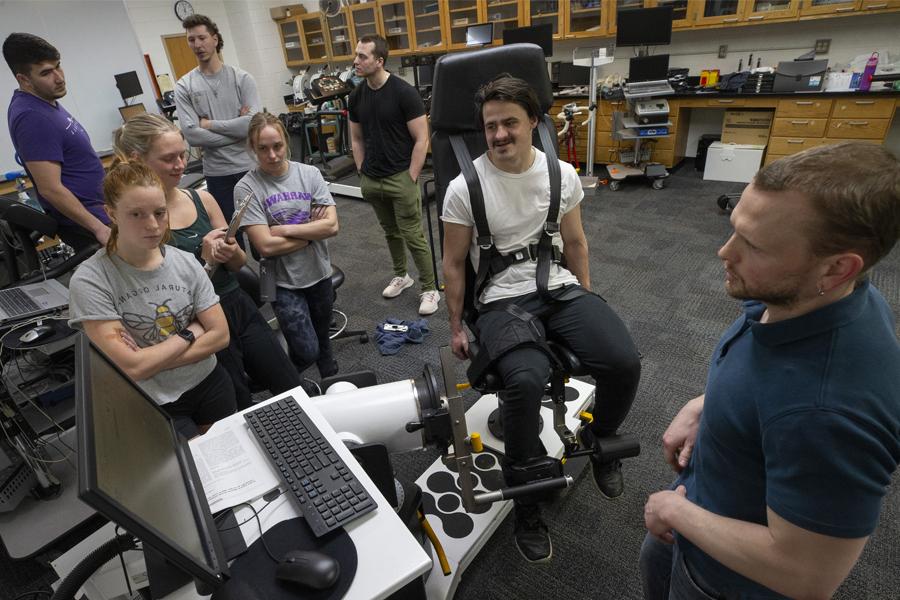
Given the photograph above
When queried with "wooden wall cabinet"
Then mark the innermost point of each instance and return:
(394, 16)
(585, 18)
(614, 6)
(538, 12)
(459, 15)
(876, 5)
(430, 29)
(292, 42)
(364, 21)
(340, 36)
(720, 12)
(683, 11)
(312, 27)
(771, 11)
(813, 8)
(504, 14)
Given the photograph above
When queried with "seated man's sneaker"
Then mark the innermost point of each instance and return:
(428, 303)
(532, 536)
(608, 477)
(607, 473)
(397, 285)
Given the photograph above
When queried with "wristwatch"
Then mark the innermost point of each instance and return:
(187, 334)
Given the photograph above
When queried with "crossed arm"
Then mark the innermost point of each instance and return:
(779, 555)
(277, 240)
(209, 328)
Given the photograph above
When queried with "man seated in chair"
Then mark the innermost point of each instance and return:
(514, 180)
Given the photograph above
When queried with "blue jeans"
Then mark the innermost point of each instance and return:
(665, 575)
(254, 349)
(305, 318)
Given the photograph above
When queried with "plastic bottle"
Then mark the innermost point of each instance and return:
(865, 82)
(25, 198)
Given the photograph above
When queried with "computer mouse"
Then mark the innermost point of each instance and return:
(310, 568)
(35, 334)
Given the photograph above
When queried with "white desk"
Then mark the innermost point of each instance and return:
(388, 555)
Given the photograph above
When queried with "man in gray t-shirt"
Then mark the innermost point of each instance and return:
(152, 305)
(215, 102)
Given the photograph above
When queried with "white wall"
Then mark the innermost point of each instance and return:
(96, 41)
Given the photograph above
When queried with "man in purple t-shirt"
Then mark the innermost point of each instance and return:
(54, 147)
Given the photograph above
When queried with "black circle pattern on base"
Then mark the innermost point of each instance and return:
(455, 522)
(572, 394)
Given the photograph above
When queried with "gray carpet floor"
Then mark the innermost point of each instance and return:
(653, 257)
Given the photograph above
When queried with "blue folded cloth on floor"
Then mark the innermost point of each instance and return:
(390, 342)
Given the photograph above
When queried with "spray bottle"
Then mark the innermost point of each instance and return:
(865, 82)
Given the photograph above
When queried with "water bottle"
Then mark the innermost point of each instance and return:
(865, 81)
(25, 198)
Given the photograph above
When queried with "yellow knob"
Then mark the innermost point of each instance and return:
(475, 442)
(586, 416)
(462, 386)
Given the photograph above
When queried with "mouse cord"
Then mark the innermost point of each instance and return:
(262, 537)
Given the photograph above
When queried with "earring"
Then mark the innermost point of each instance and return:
(820, 290)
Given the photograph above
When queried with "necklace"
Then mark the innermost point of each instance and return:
(214, 90)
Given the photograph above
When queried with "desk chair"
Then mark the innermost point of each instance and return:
(22, 227)
(454, 122)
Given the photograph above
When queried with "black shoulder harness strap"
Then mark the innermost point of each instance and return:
(491, 261)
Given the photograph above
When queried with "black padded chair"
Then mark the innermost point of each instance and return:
(23, 226)
(457, 78)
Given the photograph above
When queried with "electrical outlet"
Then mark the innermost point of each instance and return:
(822, 46)
(723, 51)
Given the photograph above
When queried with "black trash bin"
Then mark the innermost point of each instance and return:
(703, 145)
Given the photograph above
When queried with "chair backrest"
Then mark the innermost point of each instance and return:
(457, 78)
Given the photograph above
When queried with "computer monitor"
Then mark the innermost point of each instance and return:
(480, 35)
(540, 35)
(648, 68)
(644, 26)
(131, 111)
(129, 85)
(570, 75)
(137, 471)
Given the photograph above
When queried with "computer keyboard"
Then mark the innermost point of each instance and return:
(327, 492)
(16, 302)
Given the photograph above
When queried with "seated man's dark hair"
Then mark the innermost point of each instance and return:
(854, 188)
(197, 20)
(381, 46)
(21, 50)
(506, 88)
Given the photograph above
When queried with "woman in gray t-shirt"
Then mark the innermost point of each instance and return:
(289, 219)
(152, 309)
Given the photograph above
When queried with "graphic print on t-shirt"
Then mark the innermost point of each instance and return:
(152, 321)
(289, 208)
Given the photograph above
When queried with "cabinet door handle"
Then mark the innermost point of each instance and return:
(857, 123)
(723, 101)
(803, 103)
(800, 122)
(731, 20)
(795, 141)
(860, 102)
(876, 6)
(756, 18)
(843, 10)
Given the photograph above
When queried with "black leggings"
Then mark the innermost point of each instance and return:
(204, 404)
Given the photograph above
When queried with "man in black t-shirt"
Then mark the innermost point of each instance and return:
(389, 136)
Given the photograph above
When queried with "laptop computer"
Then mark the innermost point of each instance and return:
(22, 302)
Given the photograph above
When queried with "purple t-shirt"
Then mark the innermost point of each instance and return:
(41, 131)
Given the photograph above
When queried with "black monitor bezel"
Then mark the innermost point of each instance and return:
(646, 12)
(480, 26)
(542, 32)
(216, 572)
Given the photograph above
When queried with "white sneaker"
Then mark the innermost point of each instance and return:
(397, 285)
(429, 302)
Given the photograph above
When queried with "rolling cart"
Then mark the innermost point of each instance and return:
(647, 119)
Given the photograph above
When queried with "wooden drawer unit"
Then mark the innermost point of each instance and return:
(857, 129)
(803, 108)
(608, 107)
(770, 158)
(799, 127)
(604, 123)
(604, 138)
(872, 108)
(604, 155)
(792, 145)
(665, 143)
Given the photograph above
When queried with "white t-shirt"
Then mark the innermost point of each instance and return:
(515, 205)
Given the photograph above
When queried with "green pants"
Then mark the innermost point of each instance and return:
(398, 207)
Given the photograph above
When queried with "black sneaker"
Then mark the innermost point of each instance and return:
(532, 536)
(608, 477)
